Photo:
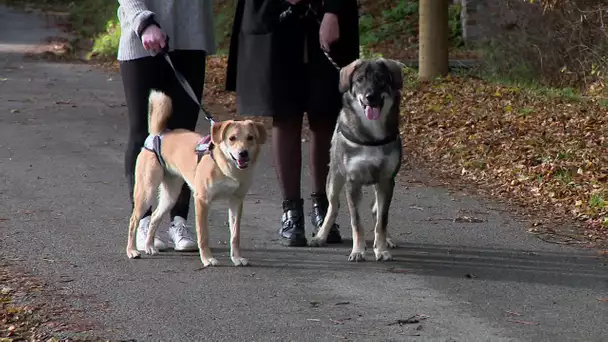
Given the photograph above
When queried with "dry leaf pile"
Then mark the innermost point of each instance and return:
(546, 153)
(29, 311)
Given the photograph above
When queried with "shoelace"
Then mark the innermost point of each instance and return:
(181, 232)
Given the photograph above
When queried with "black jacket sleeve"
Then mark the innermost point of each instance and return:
(332, 6)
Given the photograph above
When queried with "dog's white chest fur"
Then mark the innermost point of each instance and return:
(371, 164)
(224, 188)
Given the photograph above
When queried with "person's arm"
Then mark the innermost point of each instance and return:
(138, 16)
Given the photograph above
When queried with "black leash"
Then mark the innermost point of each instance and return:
(182, 80)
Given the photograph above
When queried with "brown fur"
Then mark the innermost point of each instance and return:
(211, 179)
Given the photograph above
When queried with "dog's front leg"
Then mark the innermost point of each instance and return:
(234, 218)
(202, 232)
(384, 196)
(353, 198)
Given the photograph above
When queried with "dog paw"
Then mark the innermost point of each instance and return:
(383, 256)
(151, 250)
(240, 261)
(316, 242)
(210, 262)
(356, 256)
(391, 243)
(133, 254)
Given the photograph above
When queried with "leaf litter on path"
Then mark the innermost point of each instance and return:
(417, 318)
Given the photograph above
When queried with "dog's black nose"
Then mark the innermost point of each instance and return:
(372, 98)
(244, 154)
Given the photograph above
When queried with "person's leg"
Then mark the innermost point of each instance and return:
(138, 78)
(191, 64)
(325, 102)
(287, 151)
(322, 126)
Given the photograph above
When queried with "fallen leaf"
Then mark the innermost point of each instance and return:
(412, 320)
(522, 322)
(468, 219)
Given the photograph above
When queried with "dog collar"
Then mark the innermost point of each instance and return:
(389, 139)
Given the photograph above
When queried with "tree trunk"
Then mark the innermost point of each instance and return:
(433, 39)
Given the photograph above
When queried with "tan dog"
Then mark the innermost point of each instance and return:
(225, 172)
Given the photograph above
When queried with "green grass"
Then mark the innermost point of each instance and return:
(563, 175)
(399, 25)
(531, 85)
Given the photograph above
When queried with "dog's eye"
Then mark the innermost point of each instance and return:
(360, 78)
(250, 138)
(232, 138)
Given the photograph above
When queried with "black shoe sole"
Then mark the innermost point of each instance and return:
(294, 242)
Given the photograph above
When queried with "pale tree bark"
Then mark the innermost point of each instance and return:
(433, 39)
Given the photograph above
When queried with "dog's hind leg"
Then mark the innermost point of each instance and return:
(147, 178)
(168, 193)
(140, 205)
(384, 196)
(335, 183)
(235, 212)
(353, 198)
(389, 240)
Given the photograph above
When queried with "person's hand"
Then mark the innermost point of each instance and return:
(153, 39)
(330, 31)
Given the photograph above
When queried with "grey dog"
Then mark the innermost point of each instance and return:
(365, 150)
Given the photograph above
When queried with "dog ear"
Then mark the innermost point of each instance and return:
(262, 136)
(217, 131)
(396, 70)
(346, 74)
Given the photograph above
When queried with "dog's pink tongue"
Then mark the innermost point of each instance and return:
(372, 113)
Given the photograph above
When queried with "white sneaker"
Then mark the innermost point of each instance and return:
(142, 234)
(180, 236)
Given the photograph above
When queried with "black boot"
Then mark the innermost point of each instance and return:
(319, 209)
(292, 224)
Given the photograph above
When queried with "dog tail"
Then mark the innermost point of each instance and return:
(160, 108)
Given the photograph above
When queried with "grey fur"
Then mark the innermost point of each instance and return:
(365, 152)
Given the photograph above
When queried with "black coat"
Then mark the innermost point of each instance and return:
(266, 64)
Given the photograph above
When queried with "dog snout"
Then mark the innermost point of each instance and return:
(373, 98)
(244, 154)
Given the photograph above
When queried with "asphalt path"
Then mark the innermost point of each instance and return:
(64, 197)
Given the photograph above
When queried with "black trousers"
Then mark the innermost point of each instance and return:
(139, 77)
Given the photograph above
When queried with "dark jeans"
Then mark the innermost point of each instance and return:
(139, 76)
